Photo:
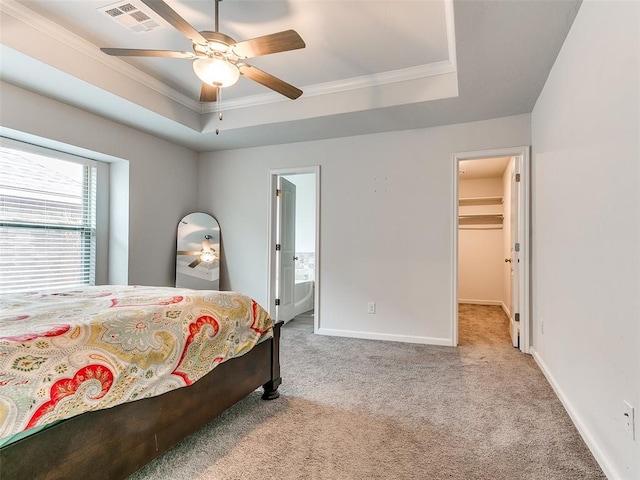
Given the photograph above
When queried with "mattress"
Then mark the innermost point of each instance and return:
(67, 352)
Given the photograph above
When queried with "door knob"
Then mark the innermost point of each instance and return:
(295, 258)
(507, 260)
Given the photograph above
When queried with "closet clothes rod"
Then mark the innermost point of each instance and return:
(480, 227)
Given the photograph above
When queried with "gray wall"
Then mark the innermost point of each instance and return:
(163, 176)
(586, 226)
(387, 209)
(305, 210)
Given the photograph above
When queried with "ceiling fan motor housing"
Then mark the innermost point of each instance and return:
(219, 44)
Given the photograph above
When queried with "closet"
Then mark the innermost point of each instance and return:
(482, 216)
(483, 232)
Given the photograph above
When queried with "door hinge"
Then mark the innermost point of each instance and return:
(517, 248)
(517, 317)
(278, 247)
(277, 302)
(278, 192)
(517, 177)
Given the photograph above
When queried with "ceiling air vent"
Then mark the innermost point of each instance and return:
(133, 15)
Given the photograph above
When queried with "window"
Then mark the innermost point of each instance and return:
(47, 220)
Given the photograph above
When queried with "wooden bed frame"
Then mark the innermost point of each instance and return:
(113, 443)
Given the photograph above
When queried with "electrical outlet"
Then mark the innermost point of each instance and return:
(629, 419)
(371, 307)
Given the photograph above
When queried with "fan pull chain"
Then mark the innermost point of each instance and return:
(218, 104)
(219, 90)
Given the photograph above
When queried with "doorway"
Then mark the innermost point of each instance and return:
(294, 277)
(491, 218)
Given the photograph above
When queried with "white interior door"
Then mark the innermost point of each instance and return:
(516, 266)
(285, 253)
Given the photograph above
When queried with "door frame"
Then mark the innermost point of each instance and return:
(272, 230)
(525, 234)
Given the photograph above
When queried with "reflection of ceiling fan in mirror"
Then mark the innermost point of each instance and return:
(218, 59)
(207, 254)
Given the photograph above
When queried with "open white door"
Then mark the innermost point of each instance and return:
(515, 242)
(285, 250)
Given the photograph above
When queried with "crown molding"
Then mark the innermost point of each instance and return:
(40, 23)
(366, 81)
(451, 32)
(44, 25)
(354, 83)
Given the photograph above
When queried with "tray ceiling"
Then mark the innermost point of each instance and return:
(369, 65)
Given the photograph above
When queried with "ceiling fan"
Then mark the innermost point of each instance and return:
(207, 254)
(218, 59)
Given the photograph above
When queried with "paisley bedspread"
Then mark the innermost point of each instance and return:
(72, 351)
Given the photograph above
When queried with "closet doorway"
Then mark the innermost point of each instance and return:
(491, 258)
(294, 205)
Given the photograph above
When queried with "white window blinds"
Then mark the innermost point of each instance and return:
(47, 221)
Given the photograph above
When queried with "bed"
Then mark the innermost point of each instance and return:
(94, 370)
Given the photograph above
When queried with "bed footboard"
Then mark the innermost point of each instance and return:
(113, 443)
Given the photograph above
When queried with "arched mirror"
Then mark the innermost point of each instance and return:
(198, 252)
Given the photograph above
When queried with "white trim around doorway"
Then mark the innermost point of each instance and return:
(272, 230)
(525, 212)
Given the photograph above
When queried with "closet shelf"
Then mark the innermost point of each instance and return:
(480, 219)
(480, 201)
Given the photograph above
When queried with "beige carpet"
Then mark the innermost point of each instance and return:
(363, 409)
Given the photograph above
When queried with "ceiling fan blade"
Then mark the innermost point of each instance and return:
(176, 21)
(209, 93)
(274, 43)
(195, 263)
(136, 52)
(188, 252)
(270, 81)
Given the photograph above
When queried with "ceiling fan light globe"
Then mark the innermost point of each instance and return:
(216, 72)
(208, 257)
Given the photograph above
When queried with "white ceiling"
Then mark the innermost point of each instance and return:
(368, 66)
(483, 168)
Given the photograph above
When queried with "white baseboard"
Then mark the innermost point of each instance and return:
(506, 310)
(481, 302)
(447, 342)
(593, 445)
